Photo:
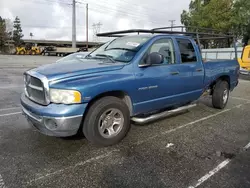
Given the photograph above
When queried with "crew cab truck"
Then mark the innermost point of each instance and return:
(136, 78)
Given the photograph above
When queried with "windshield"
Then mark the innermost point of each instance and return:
(77, 55)
(121, 49)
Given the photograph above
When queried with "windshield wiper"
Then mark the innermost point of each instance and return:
(107, 56)
(88, 56)
(121, 49)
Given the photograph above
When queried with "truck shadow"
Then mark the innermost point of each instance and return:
(207, 101)
(78, 136)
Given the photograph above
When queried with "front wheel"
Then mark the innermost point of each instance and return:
(220, 94)
(107, 121)
(22, 52)
(33, 52)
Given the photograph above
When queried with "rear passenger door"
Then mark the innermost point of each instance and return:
(190, 69)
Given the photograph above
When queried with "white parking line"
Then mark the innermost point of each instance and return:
(211, 173)
(244, 81)
(239, 98)
(2, 185)
(4, 109)
(215, 170)
(1, 115)
(74, 166)
(137, 143)
(196, 121)
(11, 86)
(247, 146)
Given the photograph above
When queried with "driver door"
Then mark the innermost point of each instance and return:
(159, 84)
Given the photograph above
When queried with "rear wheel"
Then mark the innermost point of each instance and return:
(220, 94)
(22, 52)
(107, 121)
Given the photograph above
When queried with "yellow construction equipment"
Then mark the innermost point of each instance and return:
(28, 50)
(244, 61)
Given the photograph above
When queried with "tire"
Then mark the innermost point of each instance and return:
(220, 94)
(22, 52)
(99, 111)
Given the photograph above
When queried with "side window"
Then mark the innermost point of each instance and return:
(187, 51)
(166, 48)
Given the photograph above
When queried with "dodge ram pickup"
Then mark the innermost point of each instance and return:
(137, 78)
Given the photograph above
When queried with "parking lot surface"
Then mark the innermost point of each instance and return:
(203, 147)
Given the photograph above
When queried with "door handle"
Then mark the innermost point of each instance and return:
(174, 73)
(199, 70)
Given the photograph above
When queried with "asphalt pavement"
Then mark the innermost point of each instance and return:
(203, 147)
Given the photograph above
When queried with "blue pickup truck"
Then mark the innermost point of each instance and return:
(137, 78)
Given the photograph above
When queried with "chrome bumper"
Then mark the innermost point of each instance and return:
(244, 71)
(54, 126)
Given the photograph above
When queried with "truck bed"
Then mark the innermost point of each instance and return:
(216, 68)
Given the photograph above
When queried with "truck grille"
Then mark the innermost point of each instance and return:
(34, 89)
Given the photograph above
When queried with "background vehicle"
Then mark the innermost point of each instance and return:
(28, 49)
(140, 78)
(244, 61)
(73, 56)
(60, 51)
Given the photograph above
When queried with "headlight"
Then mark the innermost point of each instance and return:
(65, 96)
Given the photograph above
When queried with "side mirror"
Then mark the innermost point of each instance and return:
(153, 58)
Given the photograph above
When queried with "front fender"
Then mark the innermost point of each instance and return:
(93, 85)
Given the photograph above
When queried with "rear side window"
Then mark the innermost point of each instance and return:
(187, 51)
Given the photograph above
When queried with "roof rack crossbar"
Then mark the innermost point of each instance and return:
(117, 33)
(190, 27)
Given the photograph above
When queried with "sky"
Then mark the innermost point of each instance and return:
(52, 19)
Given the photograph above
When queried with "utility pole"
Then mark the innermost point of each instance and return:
(87, 27)
(172, 24)
(74, 24)
(96, 29)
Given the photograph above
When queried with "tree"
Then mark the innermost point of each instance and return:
(9, 27)
(214, 14)
(241, 19)
(246, 36)
(224, 15)
(17, 32)
(3, 34)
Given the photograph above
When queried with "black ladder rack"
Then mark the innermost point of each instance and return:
(195, 32)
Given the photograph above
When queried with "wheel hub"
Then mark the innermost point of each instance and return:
(225, 96)
(111, 123)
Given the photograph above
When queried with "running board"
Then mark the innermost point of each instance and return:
(154, 117)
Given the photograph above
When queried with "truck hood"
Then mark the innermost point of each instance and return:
(61, 70)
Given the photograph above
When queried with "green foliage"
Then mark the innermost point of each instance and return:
(214, 14)
(17, 32)
(224, 15)
(241, 19)
(3, 34)
(246, 36)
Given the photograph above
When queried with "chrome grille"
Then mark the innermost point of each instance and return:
(34, 89)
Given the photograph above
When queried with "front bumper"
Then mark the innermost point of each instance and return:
(53, 120)
(244, 71)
